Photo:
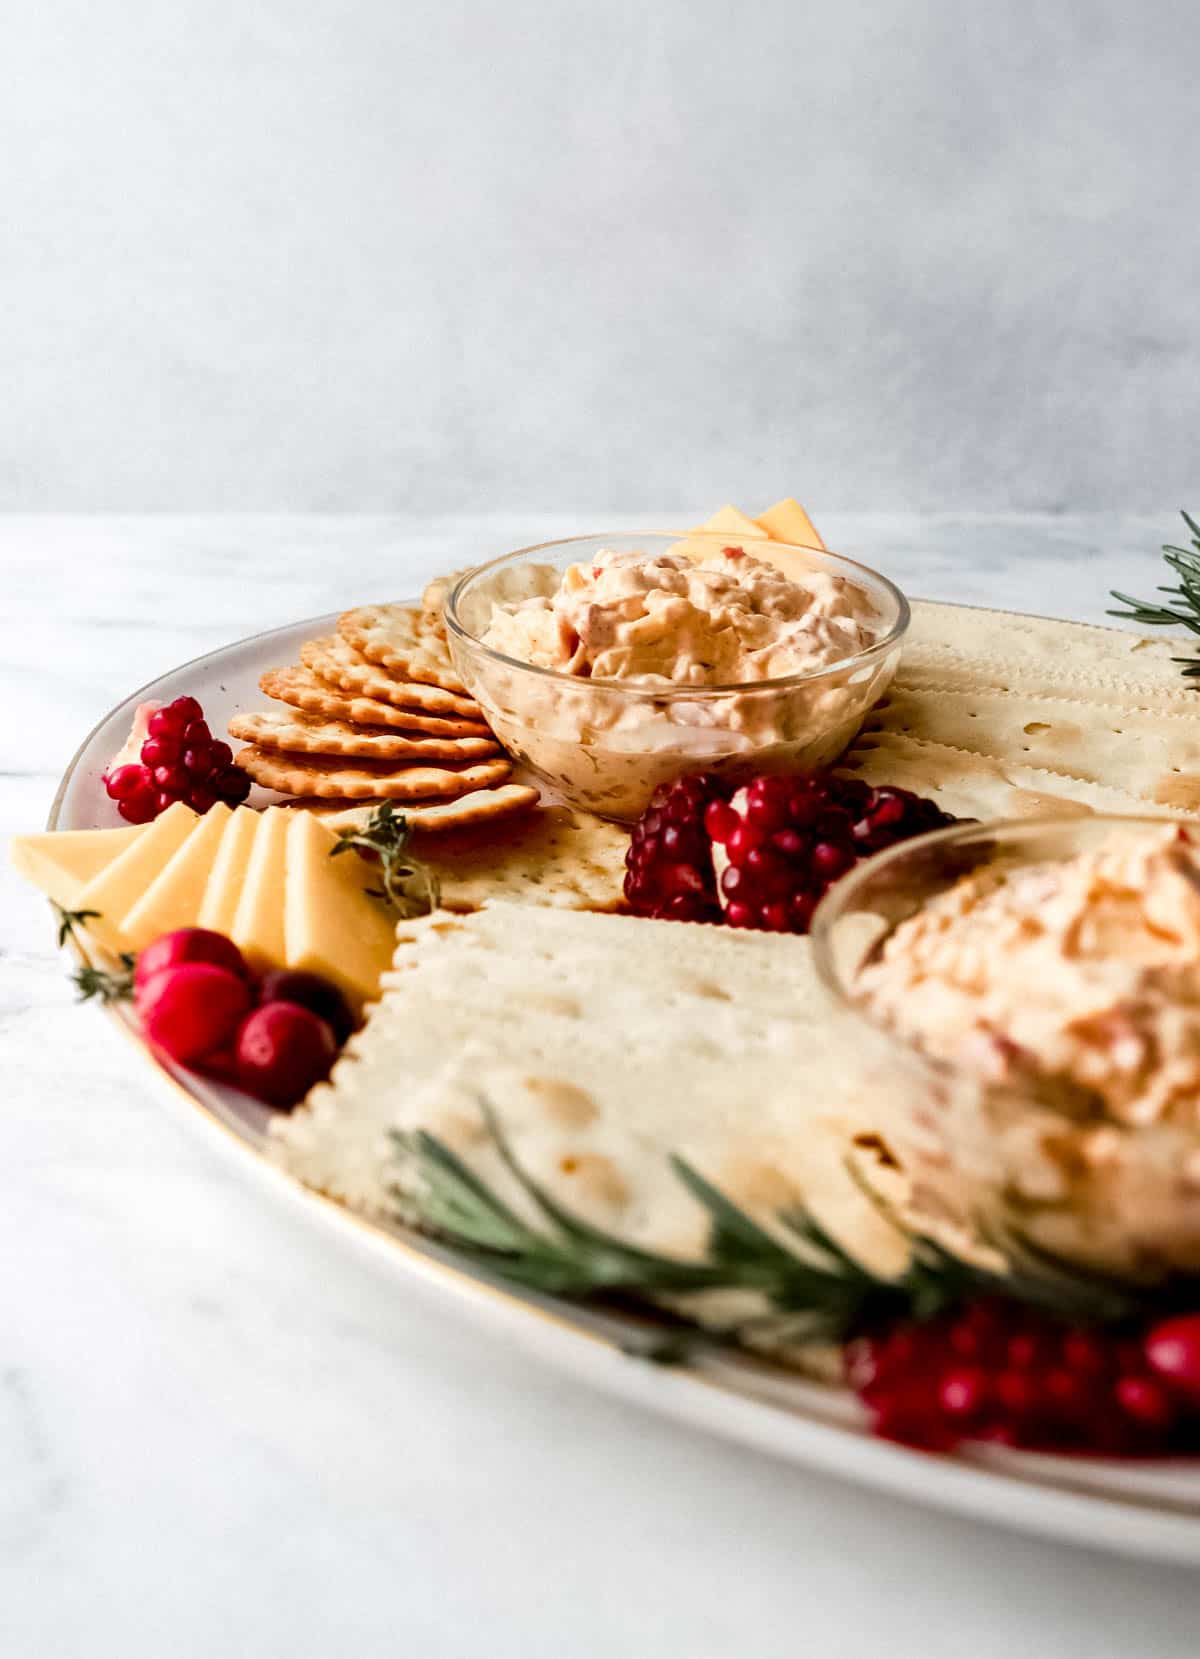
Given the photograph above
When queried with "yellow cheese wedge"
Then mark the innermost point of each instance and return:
(61, 861)
(258, 921)
(116, 888)
(333, 926)
(227, 877)
(731, 521)
(787, 521)
(174, 897)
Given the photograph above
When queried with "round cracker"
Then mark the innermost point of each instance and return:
(365, 780)
(401, 639)
(479, 809)
(334, 660)
(300, 688)
(307, 734)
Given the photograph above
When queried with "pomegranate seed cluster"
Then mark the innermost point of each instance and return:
(997, 1371)
(782, 842)
(180, 761)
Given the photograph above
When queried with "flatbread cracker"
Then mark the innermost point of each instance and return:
(300, 688)
(334, 660)
(365, 779)
(983, 786)
(401, 639)
(559, 857)
(473, 813)
(293, 733)
(1149, 753)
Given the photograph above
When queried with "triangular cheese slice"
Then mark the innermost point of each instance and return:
(117, 887)
(731, 521)
(61, 861)
(174, 897)
(258, 921)
(787, 521)
(333, 927)
(223, 889)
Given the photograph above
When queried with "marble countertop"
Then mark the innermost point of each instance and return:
(223, 1432)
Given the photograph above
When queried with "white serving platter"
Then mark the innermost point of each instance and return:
(1147, 1509)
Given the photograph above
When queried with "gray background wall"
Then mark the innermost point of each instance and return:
(463, 255)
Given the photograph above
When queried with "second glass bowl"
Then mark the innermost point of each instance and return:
(606, 745)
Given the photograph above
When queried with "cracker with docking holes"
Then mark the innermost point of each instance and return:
(293, 733)
(334, 660)
(365, 780)
(401, 639)
(300, 688)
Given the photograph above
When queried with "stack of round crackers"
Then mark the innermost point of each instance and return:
(376, 712)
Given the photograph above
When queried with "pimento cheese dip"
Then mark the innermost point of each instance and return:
(1079, 979)
(627, 635)
(725, 619)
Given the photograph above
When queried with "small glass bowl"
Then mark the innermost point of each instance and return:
(998, 1155)
(606, 745)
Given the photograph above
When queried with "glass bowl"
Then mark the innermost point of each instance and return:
(606, 745)
(1007, 1157)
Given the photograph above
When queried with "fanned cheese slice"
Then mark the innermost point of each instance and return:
(116, 889)
(332, 926)
(223, 889)
(258, 921)
(787, 521)
(174, 897)
(61, 861)
(731, 521)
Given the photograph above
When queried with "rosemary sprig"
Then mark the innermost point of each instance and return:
(1152, 613)
(812, 1287)
(409, 886)
(100, 982)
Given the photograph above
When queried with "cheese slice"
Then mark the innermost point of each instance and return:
(731, 521)
(61, 861)
(223, 889)
(258, 920)
(332, 926)
(174, 897)
(787, 521)
(116, 889)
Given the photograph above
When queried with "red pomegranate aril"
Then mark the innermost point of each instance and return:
(140, 807)
(187, 709)
(126, 782)
(1015, 1391)
(164, 801)
(200, 797)
(232, 785)
(802, 906)
(743, 840)
(189, 944)
(790, 842)
(767, 803)
(1066, 1391)
(220, 756)
(161, 751)
(1023, 1350)
(682, 880)
(739, 915)
(1084, 1352)
(829, 860)
(963, 1393)
(166, 722)
(777, 916)
(673, 839)
(720, 821)
(733, 879)
(1172, 1349)
(173, 780)
(196, 732)
(1146, 1400)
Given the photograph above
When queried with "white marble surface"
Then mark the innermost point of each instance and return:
(223, 1432)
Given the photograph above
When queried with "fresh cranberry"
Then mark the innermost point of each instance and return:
(282, 1050)
(189, 944)
(192, 1008)
(311, 991)
(125, 782)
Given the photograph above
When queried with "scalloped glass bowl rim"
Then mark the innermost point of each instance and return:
(837, 564)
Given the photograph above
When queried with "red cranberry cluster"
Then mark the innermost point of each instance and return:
(199, 1002)
(784, 840)
(180, 761)
(997, 1371)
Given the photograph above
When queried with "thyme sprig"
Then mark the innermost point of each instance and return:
(91, 981)
(813, 1288)
(1152, 613)
(408, 885)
